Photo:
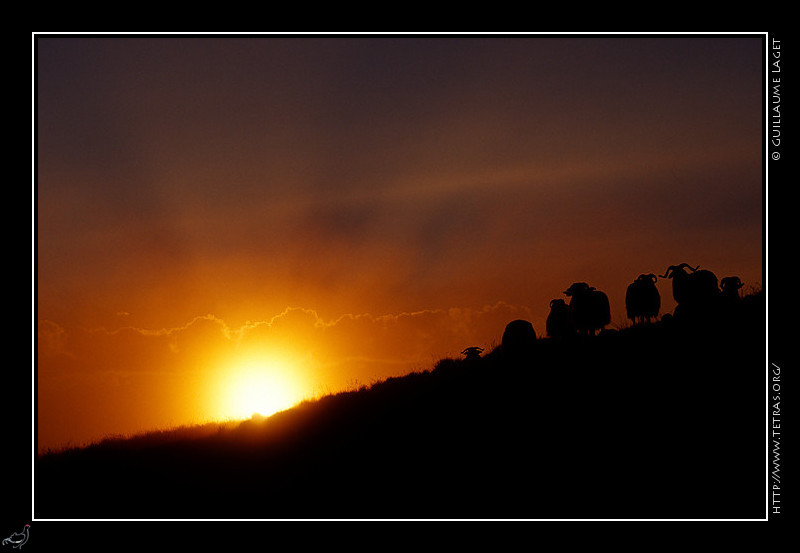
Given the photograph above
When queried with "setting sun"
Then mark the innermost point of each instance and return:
(258, 386)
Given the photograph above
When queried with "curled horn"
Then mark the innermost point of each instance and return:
(733, 282)
(670, 269)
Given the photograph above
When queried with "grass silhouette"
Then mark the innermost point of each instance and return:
(652, 421)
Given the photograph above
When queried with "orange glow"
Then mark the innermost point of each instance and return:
(260, 385)
(238, 225)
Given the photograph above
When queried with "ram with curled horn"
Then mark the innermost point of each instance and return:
(730, 306)
(642, 300)
(730, 287)
(694, 287)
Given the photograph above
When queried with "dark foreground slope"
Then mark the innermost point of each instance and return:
(656, 422)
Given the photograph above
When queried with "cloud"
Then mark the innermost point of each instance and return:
(395, 341)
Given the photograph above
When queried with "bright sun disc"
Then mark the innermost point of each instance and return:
(259, 387)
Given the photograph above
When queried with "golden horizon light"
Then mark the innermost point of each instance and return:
(257, 385)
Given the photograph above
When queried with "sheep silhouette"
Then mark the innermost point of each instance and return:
(729, 303)
(589, 307)
(559, 322)
(642, 300)
(730, 287)
(693, 287)
(518, 337)
(694, 290)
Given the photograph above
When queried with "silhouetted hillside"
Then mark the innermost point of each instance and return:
(656, 421)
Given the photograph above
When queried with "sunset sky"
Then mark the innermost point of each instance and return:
(223, 217)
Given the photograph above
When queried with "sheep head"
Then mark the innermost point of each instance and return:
(578, 288)
(731, 284)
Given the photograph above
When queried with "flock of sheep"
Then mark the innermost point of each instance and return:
(696, 292)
